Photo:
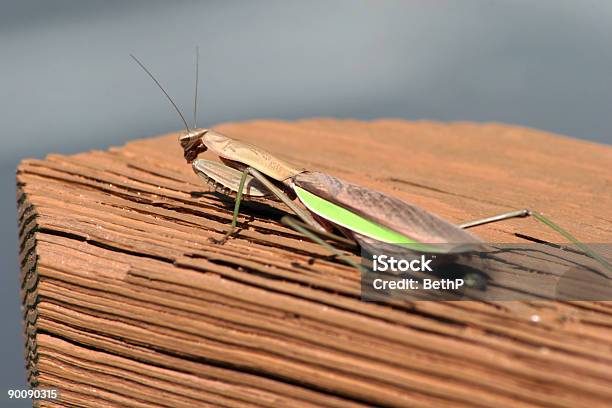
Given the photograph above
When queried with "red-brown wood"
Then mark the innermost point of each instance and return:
(126, 303)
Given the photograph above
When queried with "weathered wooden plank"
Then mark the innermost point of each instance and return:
(127, 303)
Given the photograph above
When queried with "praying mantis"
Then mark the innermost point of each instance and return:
(325, 204)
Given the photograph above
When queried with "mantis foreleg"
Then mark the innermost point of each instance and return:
(243, 178)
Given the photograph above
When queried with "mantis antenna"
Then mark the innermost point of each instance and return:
(195, 101)
(162, 89)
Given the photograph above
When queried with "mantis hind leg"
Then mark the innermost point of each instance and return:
(496, 218)
(315, 236)
(292, 222)
(546, 221)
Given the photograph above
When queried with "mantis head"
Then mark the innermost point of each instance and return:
(192, 145)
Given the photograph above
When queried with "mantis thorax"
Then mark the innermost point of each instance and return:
(248, 155)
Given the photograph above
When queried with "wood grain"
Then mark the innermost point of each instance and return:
(127, 303)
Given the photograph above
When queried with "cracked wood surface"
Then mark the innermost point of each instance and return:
(126, 303)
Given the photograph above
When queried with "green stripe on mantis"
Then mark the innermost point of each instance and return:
(354, 222)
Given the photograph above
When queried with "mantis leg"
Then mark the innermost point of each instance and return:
(304, 215)
(236, 209)
(291, 222)
(546, 221)
(496, 218)
(306, 231)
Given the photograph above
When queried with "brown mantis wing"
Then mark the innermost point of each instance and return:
(393, 213)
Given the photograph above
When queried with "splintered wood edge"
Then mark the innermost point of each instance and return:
(100, 231)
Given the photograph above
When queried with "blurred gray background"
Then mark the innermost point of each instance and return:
(68, 83)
